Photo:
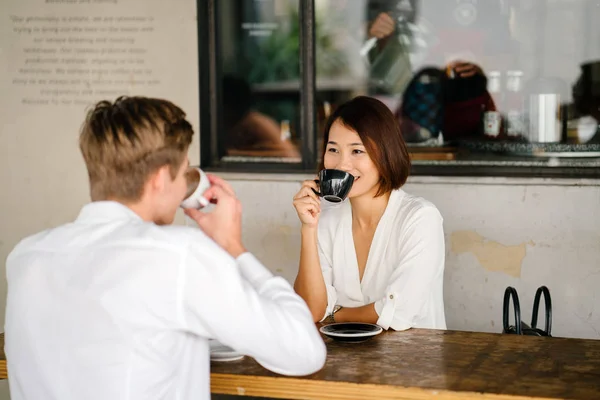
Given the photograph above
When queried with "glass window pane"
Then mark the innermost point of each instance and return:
(498, 78)
(259, 53)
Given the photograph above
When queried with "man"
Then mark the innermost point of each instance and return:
(120, 305)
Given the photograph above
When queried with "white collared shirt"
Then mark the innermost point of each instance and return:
(404, 274)
(112, 307)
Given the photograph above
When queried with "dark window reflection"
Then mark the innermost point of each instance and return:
(518, 77)
(250, 132)
(259, 49)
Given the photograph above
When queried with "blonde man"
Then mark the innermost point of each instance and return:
(121, 305)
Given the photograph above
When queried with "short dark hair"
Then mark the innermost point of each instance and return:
(380, 133)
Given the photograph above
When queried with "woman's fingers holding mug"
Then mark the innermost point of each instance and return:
(309, 200)
(308, 192)
(310, 188)
(311, 184)
(307, 209)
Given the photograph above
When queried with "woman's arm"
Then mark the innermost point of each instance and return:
(359, 314)
(310, 284)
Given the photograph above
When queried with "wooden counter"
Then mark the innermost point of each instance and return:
(419, 364)
(3, 373)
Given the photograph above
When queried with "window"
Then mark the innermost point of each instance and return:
(254, 101)
(480, 87)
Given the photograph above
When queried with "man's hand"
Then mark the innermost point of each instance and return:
(382, 27)
(224, 223)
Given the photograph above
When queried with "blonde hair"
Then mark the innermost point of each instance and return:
(124, 142)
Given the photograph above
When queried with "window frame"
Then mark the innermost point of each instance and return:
(211, 149)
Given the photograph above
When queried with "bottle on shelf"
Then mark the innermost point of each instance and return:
(514, 105)
(492, 119)
(285, 134)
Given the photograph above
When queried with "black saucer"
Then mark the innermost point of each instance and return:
(351, 331)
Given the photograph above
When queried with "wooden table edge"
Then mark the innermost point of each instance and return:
(282, 387)
(3, 370)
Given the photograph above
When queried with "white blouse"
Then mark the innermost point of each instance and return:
(404, 274)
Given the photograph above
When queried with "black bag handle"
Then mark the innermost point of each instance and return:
(548, 305)
(509, 293)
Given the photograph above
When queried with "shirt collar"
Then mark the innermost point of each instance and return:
(106, 211)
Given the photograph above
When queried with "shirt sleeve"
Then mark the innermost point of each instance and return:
(422, 255)
(327, 270)
(241, 304)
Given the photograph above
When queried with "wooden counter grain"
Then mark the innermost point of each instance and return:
(419, 363)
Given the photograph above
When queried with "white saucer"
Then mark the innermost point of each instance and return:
(220, 352)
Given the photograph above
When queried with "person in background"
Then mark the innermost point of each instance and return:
(378, 257)
(120, 304)
(389, 34)
(466, 99)
(478, 32)
(248, 131)
(383, 16)
(586, 102)
(451, 101)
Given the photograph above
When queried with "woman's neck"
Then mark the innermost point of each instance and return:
(367, 209)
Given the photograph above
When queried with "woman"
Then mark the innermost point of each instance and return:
(379, 257)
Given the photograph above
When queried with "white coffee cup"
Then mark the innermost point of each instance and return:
(197, 184)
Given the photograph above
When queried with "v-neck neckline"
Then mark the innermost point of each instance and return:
(380, 228)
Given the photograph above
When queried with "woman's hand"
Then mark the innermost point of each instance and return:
(308, 204)
(464, 69)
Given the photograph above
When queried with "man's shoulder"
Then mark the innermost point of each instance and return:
(30, 241)
(138, 234)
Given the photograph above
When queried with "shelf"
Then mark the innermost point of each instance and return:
(322, 85)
